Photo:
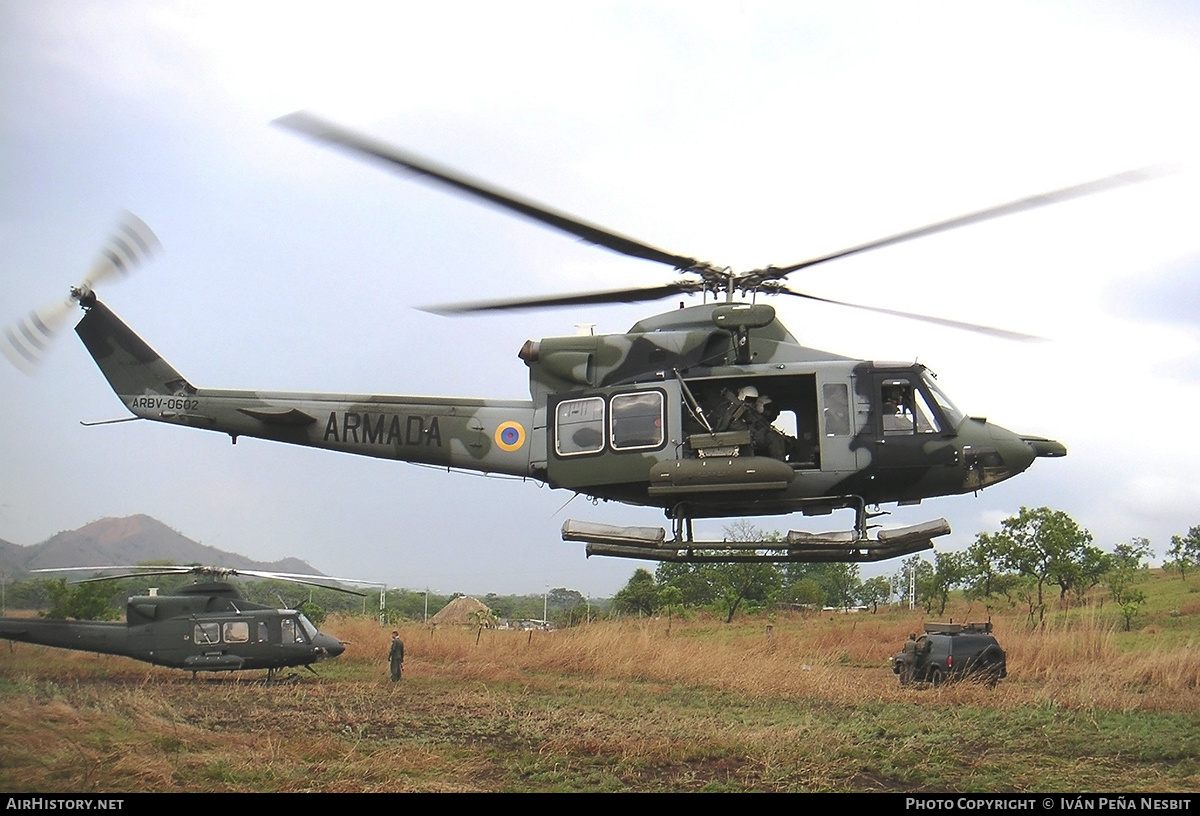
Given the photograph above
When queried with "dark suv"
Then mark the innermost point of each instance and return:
(951, 651)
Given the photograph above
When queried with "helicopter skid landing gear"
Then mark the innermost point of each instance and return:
(856, 545)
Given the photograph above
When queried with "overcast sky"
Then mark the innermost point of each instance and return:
(740, 133)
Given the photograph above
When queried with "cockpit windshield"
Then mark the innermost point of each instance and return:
(949, 409)
(309, 629)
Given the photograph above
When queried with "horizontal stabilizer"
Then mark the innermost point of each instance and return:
(292, 417)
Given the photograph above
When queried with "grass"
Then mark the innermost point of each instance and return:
(809, 705)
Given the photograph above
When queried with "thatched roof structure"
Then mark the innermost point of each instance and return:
(458, 612)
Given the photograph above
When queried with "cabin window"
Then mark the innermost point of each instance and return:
(263, 634)
(836, 399)
(237, 632)
(637, 420)
(579, 426)
(207, 633)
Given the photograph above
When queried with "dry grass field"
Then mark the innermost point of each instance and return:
(786, 703)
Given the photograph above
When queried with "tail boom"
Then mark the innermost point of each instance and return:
(476, 434)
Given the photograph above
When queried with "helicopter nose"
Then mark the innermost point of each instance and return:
(329, 646)
(1001, 454)
(1016, 453)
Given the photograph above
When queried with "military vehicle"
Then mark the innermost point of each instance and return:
(951, 651)
(205, 626)
(709, 411)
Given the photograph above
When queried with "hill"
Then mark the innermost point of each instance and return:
(126, 541)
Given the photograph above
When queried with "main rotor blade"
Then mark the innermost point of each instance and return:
(306, 123)
(634, 295)
(1003, 334)
(1011, 208)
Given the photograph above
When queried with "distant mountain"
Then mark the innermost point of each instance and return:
(125, 542)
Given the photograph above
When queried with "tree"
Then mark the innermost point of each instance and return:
(670, 599)
(1045, 545)
(313, 611)
(561, 599)
(88, 601)
(726, 587)
(948, 572)
(805, 592)
(1127, 565)
(982, 576)
(875, 591)
(845, 583)
(639, 596)
(1184, 552)
(914, 577)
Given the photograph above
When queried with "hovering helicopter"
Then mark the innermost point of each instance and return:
(709, 411)
(205, 626)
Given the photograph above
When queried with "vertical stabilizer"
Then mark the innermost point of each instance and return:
(131, 367)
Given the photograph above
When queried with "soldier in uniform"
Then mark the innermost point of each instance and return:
(908, 657)
(396, 656)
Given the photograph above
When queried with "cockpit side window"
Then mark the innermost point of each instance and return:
(906, 409)
(897, 406)
(291, 632)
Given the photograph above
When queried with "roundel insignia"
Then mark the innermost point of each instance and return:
(510, 436)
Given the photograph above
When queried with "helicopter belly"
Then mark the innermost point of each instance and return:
(214, 662)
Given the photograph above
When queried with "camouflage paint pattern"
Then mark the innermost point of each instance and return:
(682, 356)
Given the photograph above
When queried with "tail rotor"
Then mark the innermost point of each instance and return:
(26, 342)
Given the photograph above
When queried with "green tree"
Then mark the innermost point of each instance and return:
(805, 592)
(875, 591)
(639, 596)
(86, 601)
(844, 582)
(1127, 565)
(671, 599)
(1184, 552)
(730, 586)
(313, 611)
(983, 579)
(948, 572)
(561, 599)
(1048, 547)
(913, 579)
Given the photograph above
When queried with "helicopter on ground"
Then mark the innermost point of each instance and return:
(710, 411)
(205, 626)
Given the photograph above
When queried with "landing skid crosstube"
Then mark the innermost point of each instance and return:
(652, 544)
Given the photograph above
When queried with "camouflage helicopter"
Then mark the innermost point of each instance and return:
(709, 411)
(204, 626)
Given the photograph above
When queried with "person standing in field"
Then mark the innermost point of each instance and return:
(396, 656)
